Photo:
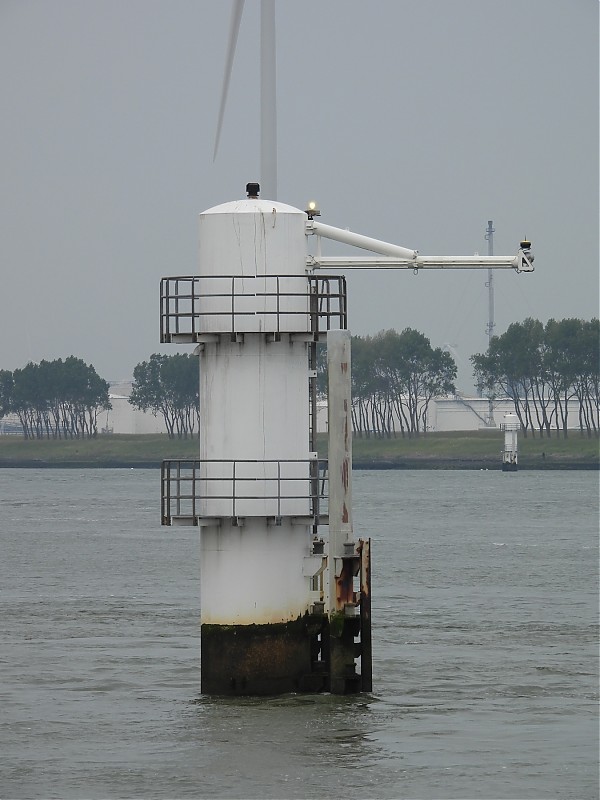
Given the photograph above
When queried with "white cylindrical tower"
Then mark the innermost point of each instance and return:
(510, 426)
(255, 462)
(257, 493)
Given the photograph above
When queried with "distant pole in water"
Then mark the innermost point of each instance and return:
(511, 426)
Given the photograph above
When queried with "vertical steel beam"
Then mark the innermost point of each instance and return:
(342, 559)
(366, 647)
(339, 457)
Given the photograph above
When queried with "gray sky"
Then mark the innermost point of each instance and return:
(413, 121)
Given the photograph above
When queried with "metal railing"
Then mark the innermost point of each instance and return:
(183, 303)
(189, 486)
(510, 426)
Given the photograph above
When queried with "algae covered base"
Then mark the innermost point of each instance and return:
(262, 659)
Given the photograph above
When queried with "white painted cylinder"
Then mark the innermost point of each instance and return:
(252, 268)
(254, 409)
(253, 574)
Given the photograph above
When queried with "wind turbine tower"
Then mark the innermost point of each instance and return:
(268, 92)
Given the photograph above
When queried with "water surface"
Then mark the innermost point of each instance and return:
(485, 648)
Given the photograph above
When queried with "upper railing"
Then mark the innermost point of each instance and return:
(193, 306)
(510, 426)
(194, 490)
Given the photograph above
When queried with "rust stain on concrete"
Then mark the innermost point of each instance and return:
(345, 516)
(345, 474)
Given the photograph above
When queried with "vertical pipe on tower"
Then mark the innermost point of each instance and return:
(490, 282)
(343, 561)
(491, 324)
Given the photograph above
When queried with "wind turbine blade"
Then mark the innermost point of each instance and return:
(268, 101)
(234, 28)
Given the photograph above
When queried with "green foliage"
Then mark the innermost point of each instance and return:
(541, 368)
(169, 385)
(54, 399)
(6, 392)
(394, 378)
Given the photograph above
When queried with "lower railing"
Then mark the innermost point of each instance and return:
(195, 489)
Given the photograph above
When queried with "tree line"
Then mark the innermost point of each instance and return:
(394, 378)
(62, 399)
(169, 385)
(54, 399)
(541, 368)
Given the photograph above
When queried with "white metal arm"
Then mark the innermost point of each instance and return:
(393, 256)
(358, 240)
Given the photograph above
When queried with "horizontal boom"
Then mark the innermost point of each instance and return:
(393, 256)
